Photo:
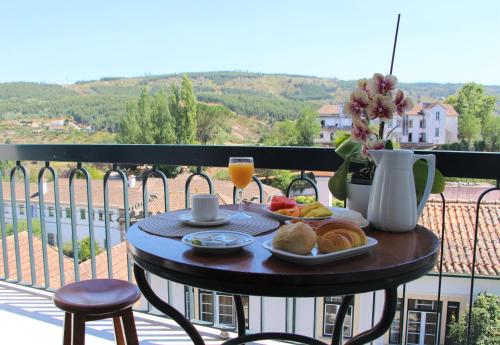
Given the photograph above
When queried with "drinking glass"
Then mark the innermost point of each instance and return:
(241, 172)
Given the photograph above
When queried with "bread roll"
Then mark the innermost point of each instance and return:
(296, 238)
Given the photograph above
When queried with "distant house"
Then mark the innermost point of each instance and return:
(331, 119)
(429, 123)
(426, 124)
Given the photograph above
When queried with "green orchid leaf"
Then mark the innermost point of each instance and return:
(420, 175)
(338, 182)
(351, 149)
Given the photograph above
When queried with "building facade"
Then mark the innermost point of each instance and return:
(426, 124)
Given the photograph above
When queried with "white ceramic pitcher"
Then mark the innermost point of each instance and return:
(393, 201)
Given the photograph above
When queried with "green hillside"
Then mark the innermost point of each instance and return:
(101, 103)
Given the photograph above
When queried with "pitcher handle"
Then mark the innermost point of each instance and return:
(431, 167)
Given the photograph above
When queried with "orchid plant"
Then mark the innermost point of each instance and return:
(375, 99)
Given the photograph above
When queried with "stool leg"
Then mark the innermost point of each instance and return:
(68, 325)
(129, 327)
(119, 337)
(78, 330)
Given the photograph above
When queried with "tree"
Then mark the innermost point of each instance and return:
(84, 252)
(183, 109)
(469, 128)
(472, 100)
(149, 121)
(210, 120)
(283, 133)
(308, 128)
(485, 323)
(491, 132)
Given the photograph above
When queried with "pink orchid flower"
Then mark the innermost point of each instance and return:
(358, 102)
(371, 145)
(402, 103)
(381, 107)
(360, 130)
(382, 85)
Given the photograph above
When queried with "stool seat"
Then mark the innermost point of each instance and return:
(96, 296)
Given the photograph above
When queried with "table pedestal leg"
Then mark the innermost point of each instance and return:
(142, 283)
(390, 305)
(240, 315)
(339, 320)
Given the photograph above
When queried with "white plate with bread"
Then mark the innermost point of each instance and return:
(315, 257)
(332, 240)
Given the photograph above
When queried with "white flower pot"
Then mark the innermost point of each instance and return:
(358, 196)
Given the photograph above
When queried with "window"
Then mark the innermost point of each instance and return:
(82, 213)
(101, 215)
(332, 305)
(68, 212)
(421, 138)
(405, 124)
(21, 209)
(322, 123)
(50, 239)
(437, 132)
(51, 211)
(321, 135)
(410, 124)
(437, 115)
(396, 329)
(218, 309)
(452, 313)
(422, 123)
(422, 322)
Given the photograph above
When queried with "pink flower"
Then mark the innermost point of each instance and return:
(402, 103)
(382, 85)
(358, 102)
(381, 107)
(360, 130)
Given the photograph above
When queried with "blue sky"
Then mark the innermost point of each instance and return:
(66, 41)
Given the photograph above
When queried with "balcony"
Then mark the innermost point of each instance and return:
(75, 206)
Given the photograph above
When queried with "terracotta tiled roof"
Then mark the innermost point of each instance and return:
(329, 110)
(119, 264)
(459, 235)
(52, 258)
(419, 107)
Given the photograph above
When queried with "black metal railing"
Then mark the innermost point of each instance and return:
(452, 164)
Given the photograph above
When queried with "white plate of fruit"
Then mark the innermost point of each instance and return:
(283, 208)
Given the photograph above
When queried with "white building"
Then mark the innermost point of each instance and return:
(426, 124)
(429, 123)
(331, 119)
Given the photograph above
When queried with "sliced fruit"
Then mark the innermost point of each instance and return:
(291, 212)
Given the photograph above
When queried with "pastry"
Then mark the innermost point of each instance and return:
(332, 242)
(297, 238)
(334, 235)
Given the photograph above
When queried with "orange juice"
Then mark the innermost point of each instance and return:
(241, 173)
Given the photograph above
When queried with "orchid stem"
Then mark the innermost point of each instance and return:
(381, 130)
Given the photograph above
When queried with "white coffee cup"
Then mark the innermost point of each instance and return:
(205, 207)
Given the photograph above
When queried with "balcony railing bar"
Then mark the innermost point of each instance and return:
(3, 232)
(474, 251)
(259, 185)
(15, 230)
(187, 190)
(441, 259)
(485, 165)
(303, 177)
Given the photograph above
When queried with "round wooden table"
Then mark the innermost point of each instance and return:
(398, 258)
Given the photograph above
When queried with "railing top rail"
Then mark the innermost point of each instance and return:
(450, 163)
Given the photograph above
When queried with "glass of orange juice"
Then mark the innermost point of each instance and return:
(241, 173)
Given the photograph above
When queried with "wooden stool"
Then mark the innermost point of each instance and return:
(98, 299)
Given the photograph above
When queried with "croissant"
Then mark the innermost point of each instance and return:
(330, 224)
(332, 242)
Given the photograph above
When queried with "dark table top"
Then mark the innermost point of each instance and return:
(398, 258)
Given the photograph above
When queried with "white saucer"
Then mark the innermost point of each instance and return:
(224, 218)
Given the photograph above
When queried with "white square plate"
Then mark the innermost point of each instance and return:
(316, 258)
